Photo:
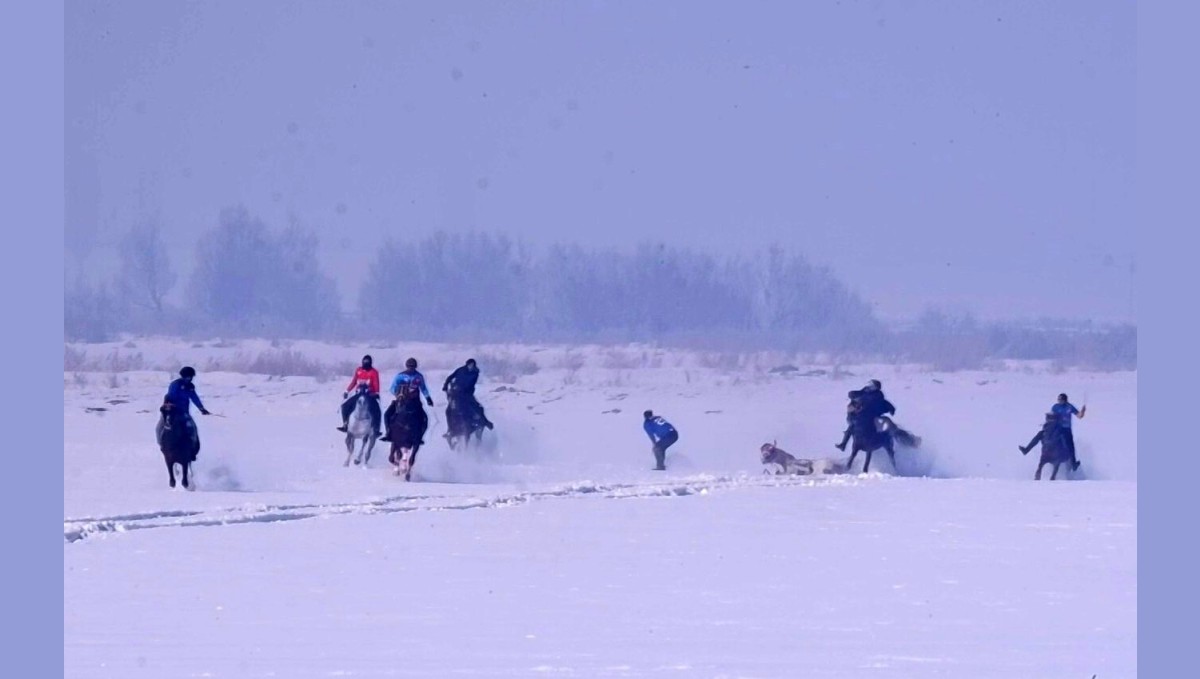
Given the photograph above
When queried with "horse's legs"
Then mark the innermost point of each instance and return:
(170, 469)
(867, 462)
(891, 451)
(1054, 472)
(853, 453)
(369, 445)
(186, 467)
(1037, 476)
(349, 448)
(412, 461)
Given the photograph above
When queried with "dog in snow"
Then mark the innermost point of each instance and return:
(778, 461)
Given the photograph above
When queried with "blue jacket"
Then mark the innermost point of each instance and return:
(657, 428)
(180, 394)
(1064, 411)
(410, 377)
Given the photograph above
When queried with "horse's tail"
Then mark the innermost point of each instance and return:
(908, 439)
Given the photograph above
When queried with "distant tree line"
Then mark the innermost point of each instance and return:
(253, 281)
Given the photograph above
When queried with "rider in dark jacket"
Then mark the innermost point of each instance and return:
(460, 386)
(866, 405)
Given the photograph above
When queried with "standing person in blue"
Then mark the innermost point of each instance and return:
(407, 380)
(176, 406)
(661, 434)
(1063, 410)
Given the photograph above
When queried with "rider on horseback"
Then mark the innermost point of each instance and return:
(866, 405)
(175, 409)
(366, 375)
(460, 387)
(405, 383)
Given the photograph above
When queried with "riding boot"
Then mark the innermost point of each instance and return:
(345, 426)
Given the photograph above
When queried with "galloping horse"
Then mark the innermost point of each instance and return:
(407, 431)
(178, 445)
(1054, 448)
(360, 428)
(463, 420)
(871, 435)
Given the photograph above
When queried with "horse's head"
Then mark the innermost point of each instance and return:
(766, 450)
(769, 451)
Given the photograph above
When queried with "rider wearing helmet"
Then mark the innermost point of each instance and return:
(405, 382)
(176, 404)
(460, 388)
(866, 405)
(366, 377)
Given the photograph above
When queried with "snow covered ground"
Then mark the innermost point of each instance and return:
(567, 555)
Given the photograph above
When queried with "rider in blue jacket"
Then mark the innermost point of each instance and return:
(405, 381)
(176, 407)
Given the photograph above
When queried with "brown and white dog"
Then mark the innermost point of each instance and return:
(784, 462)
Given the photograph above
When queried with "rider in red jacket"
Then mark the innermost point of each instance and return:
(368, 376)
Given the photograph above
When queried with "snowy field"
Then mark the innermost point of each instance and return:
(570, 557)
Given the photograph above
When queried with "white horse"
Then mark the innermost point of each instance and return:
(360, 428)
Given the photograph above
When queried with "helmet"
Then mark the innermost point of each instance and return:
(876, 385)
(187, 372)
(648, 414)
(470, 361)
(410, 363)
(1062, 398)
(367, 360)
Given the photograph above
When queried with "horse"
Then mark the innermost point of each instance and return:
(463, 419)
(1054, 450)
(360, 428)
(871, 435)
(407, 430)
(177, 446)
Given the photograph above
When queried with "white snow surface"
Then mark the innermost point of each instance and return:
(556, 551)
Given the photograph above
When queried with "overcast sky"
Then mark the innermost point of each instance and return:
(971, 155)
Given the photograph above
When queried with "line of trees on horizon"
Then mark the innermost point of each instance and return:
(250, 280)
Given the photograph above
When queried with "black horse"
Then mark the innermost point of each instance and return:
(1054, 447)
(179, 445)
(871, 434)
(464, 418)
(407, 431)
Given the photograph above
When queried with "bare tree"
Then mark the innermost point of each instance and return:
(145, 277)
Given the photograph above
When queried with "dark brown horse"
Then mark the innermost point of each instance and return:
(464, 419)
(179, 444)
(407, 431)
(871, 435)
(1054, 448)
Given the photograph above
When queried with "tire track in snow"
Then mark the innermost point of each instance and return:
(75, 530)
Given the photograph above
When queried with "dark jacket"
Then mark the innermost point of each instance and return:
(462, 381)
